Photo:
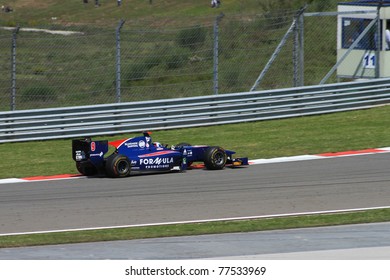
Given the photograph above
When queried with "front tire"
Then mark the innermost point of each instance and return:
(118, 166)
(215, 158)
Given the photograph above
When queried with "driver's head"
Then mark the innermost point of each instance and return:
(157, 145)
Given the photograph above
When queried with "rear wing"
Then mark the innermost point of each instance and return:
(85, 149)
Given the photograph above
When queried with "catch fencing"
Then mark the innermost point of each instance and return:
(59, 66)
(118, 118)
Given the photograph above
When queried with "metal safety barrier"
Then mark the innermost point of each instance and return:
(118, 118)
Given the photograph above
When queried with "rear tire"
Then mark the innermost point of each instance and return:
(118, 166)
(215, 158)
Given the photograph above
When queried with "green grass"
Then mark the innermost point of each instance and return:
(35, 12)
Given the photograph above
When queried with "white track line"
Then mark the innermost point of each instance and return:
(11, 180)
(284, 159)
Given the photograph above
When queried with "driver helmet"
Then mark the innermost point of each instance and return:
(157, 144)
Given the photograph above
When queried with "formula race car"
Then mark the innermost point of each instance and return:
(141, 154)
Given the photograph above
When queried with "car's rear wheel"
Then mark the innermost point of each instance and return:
(118, 165)
(215, 158)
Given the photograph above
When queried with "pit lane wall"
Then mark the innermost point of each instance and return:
(118, 118)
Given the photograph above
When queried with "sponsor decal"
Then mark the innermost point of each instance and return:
(131, 145)
(97, 155)
(156, 160)
(148, 139)
(80, 155)
(156, 163)
(141, 144)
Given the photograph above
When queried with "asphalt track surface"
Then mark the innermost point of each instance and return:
(265, 189)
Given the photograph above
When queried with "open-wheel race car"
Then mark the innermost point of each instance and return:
(141, 154)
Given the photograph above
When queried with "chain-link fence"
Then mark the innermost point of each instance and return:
(41, 68)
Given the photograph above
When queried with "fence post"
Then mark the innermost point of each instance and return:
(279, 48)
(216, 39)
(118, 61)
(13, 67)
(274, 55)
(298, 52)
(378, 42)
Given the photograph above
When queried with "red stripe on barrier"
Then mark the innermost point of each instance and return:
(367, 151)
(53, 177)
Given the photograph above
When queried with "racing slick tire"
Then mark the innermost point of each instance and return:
(215, 158)
(86, 169)
(118, 166)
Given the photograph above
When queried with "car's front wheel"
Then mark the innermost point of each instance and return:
(118, 165)
(215, 158)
